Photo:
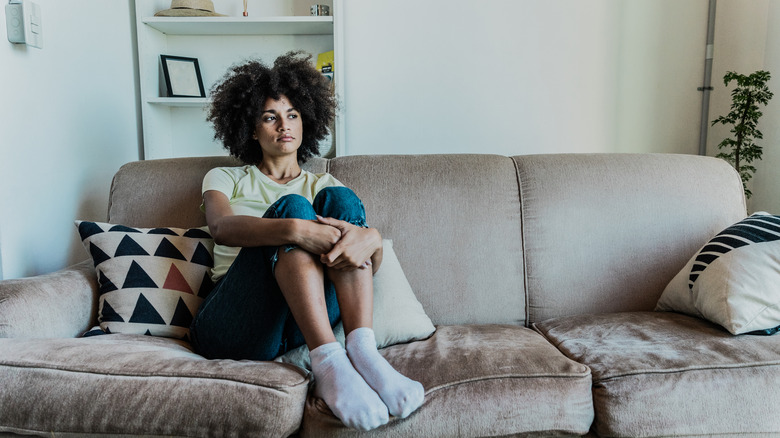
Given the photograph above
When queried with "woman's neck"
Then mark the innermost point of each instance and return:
(280, 171)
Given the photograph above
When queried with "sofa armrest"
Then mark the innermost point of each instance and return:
(60, 304)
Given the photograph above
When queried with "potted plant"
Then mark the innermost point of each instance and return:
(751, 92)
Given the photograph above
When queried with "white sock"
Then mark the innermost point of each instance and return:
(401, 395)
(344, 391)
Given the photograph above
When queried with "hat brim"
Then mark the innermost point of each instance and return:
(187, 12)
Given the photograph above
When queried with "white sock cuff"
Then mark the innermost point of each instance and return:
(321, 353)
(362, 336)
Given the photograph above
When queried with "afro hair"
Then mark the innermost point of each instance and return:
(239, 97)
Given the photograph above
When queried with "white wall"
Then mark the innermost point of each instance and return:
(519, 77)
(503, 77)
(435, 76)
(660, 65)
(68, 121)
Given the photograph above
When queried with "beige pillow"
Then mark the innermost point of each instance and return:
(398, 316)
(734, 280)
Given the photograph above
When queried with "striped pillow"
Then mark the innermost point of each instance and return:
(734, 280)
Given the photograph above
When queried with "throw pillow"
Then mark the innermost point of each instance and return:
(151, 280)
(398, 316)
(734, 280)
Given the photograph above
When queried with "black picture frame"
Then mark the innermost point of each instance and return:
(182, 76)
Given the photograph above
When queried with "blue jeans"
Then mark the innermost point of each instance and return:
(246, 315)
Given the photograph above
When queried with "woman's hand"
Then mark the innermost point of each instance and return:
(316, 237)
(354, 249)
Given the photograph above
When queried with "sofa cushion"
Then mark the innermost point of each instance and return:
(398, 316)
(455, 224)
(658, 373)
(734, 279)
(607, 232)
(152, 280)
(480, 380)
(142, 385)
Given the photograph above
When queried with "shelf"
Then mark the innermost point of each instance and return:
(180, 101)
(175, 126)
(241, 25)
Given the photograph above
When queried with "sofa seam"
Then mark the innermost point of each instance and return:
(587, 374)
(685, 370)
(545, 334)
(305, 379)
(28, 431)
(522, 241)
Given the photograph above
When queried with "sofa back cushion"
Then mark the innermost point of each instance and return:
(594, 232)
(454, 221)
(455, 225)
(607, 232)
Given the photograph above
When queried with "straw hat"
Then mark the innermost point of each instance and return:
(190, 8)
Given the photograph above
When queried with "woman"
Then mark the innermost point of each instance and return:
(293, 254)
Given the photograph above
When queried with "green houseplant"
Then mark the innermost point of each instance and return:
(751, 91)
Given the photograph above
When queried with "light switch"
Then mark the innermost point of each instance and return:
(24, 23)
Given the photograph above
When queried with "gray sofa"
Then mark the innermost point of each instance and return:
(541, 274)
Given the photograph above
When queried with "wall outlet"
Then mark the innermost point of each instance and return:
(24, 23)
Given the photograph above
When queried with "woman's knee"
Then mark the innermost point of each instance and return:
(340, 203)
(291, 206)
(335, 194)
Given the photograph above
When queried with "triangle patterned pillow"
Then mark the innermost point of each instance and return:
(151, 280)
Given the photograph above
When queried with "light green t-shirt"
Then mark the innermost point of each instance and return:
(251, 192)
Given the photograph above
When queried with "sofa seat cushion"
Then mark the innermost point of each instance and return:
(143, 385)
(480, 380)
(658, 373)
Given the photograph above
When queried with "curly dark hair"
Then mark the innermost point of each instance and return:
(239, 97)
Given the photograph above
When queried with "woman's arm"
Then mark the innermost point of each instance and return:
(248, 231)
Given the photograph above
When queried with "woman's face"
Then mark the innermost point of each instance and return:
(279, 130)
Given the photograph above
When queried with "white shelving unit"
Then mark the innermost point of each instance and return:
(177, 126)
(242, 25)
